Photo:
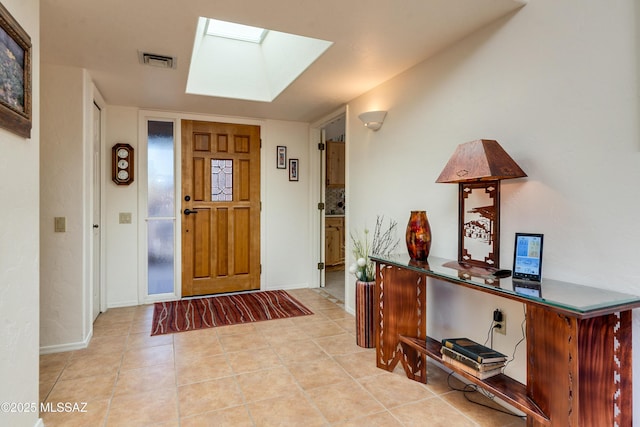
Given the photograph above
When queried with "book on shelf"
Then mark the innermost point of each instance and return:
(469, 370)
(452, 354)
(473, 350)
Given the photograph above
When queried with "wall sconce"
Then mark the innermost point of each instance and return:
(477, 167)
(373, 119)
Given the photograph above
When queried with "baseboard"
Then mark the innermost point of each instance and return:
(59, 348)
(287, 287)
(39, 423)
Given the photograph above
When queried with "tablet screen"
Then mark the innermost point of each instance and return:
(527, 258)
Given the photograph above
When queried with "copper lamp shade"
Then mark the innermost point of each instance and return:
(480, 160)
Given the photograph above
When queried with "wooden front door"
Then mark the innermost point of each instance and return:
(220, 207)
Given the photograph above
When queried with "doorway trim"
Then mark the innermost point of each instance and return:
(93, 97)
(142, 174)
(318, 160)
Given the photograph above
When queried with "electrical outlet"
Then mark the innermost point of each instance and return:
(499, 321)
(59, 224)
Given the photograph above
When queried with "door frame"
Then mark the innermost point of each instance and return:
(238, 242)
(318, 159)
(95, 97)
(141, 173)
(96, 209)
(143, 116)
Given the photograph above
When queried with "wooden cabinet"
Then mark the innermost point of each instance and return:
(335, 164)
(579, 341)
(334, 241)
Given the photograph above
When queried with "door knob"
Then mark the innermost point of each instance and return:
(189, 212)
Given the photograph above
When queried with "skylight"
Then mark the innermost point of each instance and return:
(231, 30)
(255, 67)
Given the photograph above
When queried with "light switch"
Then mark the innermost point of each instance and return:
(125, 217)
(60, 224)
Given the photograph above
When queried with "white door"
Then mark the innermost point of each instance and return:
(96, 212)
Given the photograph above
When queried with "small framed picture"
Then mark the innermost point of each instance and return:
(281, 157)
(293, 169)
(15, 69)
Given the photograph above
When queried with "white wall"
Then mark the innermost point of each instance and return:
(66, 191)
(19, 243)
(120, 240)
(556, 84)
(61, 195)
(287, 255)
(284, 221)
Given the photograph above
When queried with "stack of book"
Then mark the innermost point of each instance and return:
(473, 358)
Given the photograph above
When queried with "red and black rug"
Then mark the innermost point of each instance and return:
(222, 310)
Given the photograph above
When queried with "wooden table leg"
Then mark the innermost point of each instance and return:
(401, 310)
(577, 371)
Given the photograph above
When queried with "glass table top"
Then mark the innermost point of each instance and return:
(571, 297)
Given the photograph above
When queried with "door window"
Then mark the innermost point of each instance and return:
(221, 180)
(160, 207)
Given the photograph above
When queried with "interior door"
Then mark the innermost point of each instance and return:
(95, 267)
(220, 207)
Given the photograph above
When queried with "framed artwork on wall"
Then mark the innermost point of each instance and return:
(293, 169)
(15, 76)
(281, 157)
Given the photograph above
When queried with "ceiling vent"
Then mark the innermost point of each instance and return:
(160, 61)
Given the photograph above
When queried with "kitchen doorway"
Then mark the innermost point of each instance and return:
(335, 207)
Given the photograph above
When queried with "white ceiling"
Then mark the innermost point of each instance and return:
(374, 40)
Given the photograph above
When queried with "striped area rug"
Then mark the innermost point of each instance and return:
(190, 314)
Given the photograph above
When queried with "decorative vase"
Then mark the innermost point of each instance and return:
(365, 326)
(418, 236)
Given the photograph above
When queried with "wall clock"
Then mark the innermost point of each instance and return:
(122, 164)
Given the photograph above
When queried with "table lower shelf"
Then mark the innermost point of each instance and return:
(508, 389)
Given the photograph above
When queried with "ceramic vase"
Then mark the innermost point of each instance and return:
(418, 236)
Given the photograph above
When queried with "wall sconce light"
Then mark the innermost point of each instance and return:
(477, 167)
(373, 119)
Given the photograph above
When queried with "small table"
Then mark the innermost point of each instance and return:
(578, 342)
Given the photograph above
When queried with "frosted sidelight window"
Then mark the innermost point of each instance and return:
(160, 207)
(221, 180)
(161, 252)
(160, 199)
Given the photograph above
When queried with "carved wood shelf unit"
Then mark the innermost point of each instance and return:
(578, 342)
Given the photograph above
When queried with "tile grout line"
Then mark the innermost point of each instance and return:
(245, 404)
(115, 384)
(331, 352)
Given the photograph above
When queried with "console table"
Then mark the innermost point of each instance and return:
(578, 341)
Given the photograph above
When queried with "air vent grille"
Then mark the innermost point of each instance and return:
(155, 60)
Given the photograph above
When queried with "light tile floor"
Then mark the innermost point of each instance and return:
(334, 284)
(303, 371)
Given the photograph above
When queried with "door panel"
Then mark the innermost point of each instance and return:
(221, 207)
(222, 241)
(201, 243)
(242, 232)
